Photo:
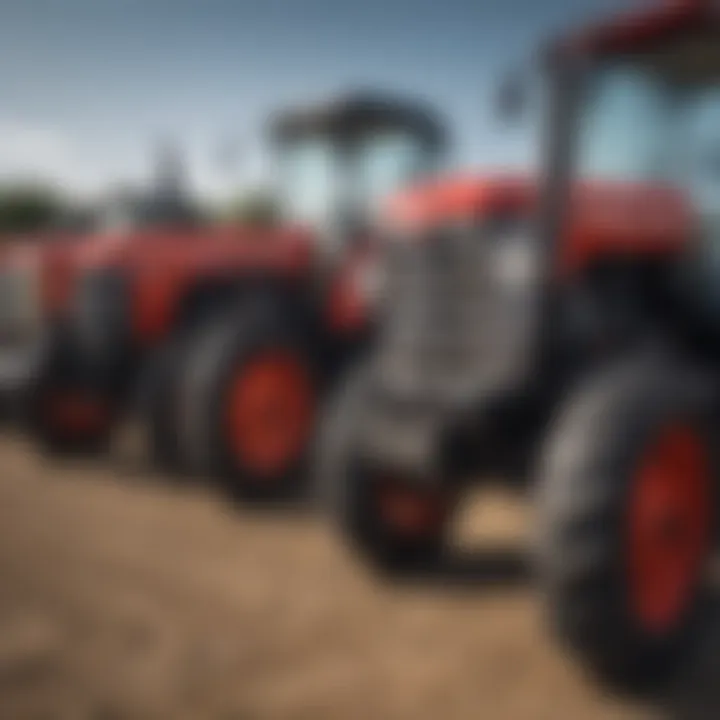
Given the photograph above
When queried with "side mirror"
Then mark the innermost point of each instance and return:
(512, 98)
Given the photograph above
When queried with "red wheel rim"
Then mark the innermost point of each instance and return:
(671, 518)
(76, 414)
(411, 511)
(270, 412)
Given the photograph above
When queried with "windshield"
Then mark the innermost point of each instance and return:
(387, 162)
(625, 128)
(637, 127)
(318, 181)
(307, 181)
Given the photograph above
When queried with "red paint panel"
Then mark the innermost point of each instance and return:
(606, 218)
(632, 31)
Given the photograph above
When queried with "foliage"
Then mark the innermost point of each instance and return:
(29, 207)
(257, 207)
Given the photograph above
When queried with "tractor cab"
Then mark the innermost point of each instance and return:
(337, 160)
(514, 284)
(641, 100)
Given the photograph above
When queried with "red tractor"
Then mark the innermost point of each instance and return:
(228, 337)
(563, 333)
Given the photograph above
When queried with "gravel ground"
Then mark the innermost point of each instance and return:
(123, 597)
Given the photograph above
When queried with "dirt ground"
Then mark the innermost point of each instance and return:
(123, 597)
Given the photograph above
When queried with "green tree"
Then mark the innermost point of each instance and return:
(257, 207)
(29, 207)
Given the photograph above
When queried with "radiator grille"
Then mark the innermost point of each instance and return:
(435, 328)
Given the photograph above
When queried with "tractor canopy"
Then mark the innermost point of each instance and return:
(653, 29)
(641, 143)
(356, 115)
(642, 95)
(339, 159)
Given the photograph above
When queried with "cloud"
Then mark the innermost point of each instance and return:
(26, 150)
(87, 166)
(33, 152)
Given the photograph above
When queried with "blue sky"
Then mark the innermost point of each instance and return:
(86, 86)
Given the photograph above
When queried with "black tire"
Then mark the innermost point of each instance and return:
(56, 370)
(226, 345)
(160, 402)
(586, 479)
(346, 489)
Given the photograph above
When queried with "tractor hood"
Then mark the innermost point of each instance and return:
(205, 249)
(458, 199)
(606, 218)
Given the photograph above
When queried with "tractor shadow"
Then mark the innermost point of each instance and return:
(497, 568)
(501, 568)
(693, 694)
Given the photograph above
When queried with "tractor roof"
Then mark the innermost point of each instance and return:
(359, 113)
(644, 29)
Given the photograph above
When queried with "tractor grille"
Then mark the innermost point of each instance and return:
(435, 330)
(19, 306)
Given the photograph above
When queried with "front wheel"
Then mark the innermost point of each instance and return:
(396, 524)
(628, 515)
(62, 407)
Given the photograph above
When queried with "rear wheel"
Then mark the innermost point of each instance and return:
(395, 523)
(248, 406)
(628, 511)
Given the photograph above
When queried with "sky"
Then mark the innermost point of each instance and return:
(88, 87)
